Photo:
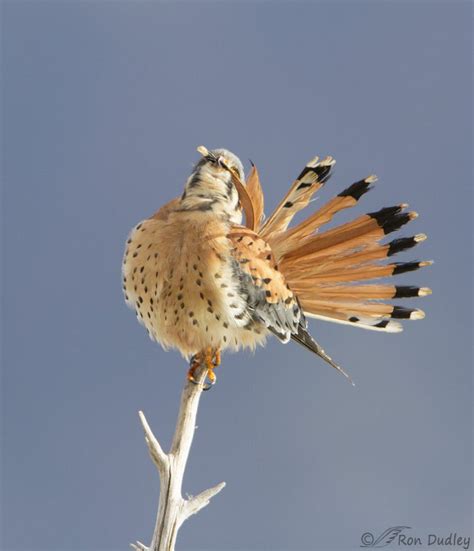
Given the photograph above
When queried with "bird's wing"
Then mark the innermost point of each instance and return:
(269, 298)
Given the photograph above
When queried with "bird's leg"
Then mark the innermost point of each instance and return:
(194, 363)
(210, 365)
(217, 357)
(212, 359)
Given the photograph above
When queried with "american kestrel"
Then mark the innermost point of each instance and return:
(201, 282)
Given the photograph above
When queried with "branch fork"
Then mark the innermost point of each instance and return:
(173, 509)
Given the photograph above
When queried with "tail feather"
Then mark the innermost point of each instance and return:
(355, 274)
(361, 309)
(383, 325)
(352, 255)
(363, 231)
(363, 292)
(289, 239)
(310, 180)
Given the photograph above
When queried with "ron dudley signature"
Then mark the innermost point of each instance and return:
(397, 536)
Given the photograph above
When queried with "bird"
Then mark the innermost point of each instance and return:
(208, 272)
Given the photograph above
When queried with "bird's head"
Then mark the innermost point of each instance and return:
(220, 160)
(210, 187)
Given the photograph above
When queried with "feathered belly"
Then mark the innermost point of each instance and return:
(191, 330)
(184, 290)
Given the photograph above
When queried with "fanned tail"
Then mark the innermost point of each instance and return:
(326, 269)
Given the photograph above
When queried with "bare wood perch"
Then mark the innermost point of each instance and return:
(173, 509)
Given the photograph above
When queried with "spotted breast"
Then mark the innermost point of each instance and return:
(181, 277)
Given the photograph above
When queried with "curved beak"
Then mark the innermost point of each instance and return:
(207, 154)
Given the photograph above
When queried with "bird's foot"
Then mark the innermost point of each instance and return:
(211, 359)
(217, 357)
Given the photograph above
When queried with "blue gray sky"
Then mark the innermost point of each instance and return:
(104, 103)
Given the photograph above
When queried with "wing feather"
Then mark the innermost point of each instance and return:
(269, 297)
(254, 190)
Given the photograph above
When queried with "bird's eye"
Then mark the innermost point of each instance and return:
(211, 158)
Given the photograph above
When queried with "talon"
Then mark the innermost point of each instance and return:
(211, 378)
(191, 379)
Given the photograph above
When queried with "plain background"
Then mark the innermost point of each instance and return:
(104, 103)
